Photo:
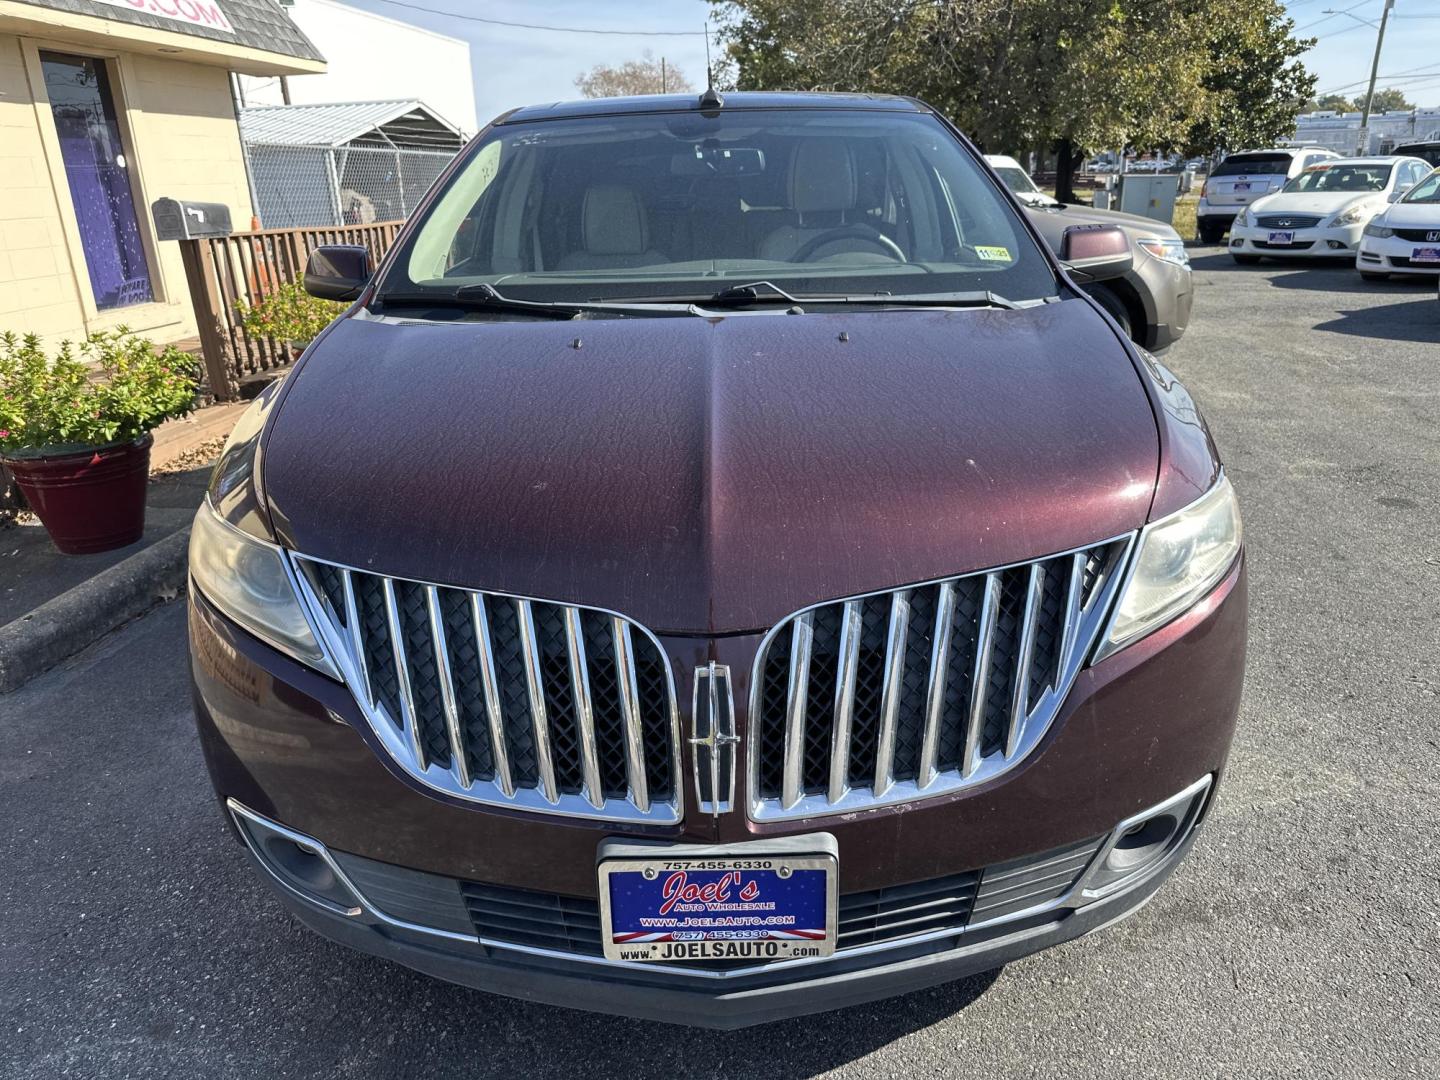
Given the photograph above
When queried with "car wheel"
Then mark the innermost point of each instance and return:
(1115, 308)
(1211, 234)
(1246, 260)
(1373, 277)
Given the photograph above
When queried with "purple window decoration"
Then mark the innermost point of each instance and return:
(97, 172)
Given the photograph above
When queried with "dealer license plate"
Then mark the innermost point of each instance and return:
(1426, 255)
(1282, 238)
(695, 908)
(1241, 186)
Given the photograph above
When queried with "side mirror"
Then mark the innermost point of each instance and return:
(338, 271)
(1096, 252)
(1399, 192)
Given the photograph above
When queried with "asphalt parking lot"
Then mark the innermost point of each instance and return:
(1300, 939)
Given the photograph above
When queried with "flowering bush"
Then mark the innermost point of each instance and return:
(112, 387)
(288, 314)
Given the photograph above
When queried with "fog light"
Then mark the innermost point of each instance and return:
(1237, 242)
(1142, 843)
(297, 861)
(1336, 245)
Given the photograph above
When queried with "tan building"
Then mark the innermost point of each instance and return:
(106, 106)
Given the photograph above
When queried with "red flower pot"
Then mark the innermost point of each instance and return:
(88, 500)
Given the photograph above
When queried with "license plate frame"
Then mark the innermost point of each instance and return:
(798, 881)
(1241, 185)
(1425, 255)
(1282, 238)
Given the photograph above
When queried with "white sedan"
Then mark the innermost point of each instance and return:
(1405, 239)
(1323, 211)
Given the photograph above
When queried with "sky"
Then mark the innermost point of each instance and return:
(516, 66)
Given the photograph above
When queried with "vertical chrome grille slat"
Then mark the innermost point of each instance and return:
(584, 713)
(534, 692)
(844, 701)
(797, 698)
(629, 694)
(356, 639)
(447, 686)
(935, 690)
(935, 687)
(494, 719)
(980, 679)
(895, 641)
(1020, 689)
(408, 720)
(1072, 606)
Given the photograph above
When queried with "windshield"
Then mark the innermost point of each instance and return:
(1322, 178)
(1427, 191)
(1253, 165)
(663, 205)
(1017, 180)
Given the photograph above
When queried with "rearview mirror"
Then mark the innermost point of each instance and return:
(1096, 252)
(338, 271)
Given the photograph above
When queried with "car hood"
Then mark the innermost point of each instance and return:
(710, 475)
(1403, 215)
(1318, 202)
(1072, 214)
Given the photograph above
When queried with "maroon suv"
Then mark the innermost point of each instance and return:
(720, 567)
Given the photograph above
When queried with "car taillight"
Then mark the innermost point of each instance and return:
(1204, 187)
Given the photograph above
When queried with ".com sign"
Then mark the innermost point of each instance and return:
(206, 13)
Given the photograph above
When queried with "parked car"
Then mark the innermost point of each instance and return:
(1427, 150)
(1404, 238)
(1152, 302)
(1323, 211)
(720, 567)
(1242, 178)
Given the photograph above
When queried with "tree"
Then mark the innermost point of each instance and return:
(1080, 74)
(644, 76)
(1384, 101)
(1329, 103)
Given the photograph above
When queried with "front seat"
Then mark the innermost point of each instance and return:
(615, 230)
(823, 196)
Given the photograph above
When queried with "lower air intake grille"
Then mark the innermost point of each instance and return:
(504, 700)
(910, 693)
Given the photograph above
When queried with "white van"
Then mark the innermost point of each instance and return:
(1242, 178)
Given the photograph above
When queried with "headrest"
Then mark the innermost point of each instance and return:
(822, 176)
(613, 220)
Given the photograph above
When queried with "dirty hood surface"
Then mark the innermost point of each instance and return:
(708, 475)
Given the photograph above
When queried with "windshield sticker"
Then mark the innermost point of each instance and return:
(993, 254)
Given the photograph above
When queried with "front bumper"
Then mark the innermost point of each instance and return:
(1392, 255)
(290, 745)
(1167, 292)
(1325, 243)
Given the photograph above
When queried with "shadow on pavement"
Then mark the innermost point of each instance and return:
(1406, 320)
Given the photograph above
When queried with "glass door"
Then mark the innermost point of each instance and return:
(98, 175)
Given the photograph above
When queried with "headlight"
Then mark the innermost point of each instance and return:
(1180, 559)
(1380, 232)
(250, 582)
(1351, 216)
(1171, 251)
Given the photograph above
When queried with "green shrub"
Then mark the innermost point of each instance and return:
(112, 387)
(288, 314)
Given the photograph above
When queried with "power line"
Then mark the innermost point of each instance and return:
(551, 29)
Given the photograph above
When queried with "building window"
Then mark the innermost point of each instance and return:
(98, 175)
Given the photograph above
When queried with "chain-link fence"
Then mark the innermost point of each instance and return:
(309, 186)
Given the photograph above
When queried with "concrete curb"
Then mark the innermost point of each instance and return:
(61, 627)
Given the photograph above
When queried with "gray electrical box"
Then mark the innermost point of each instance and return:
(177, 220)
(1149, 195)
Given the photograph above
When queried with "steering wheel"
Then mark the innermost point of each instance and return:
(850, 232)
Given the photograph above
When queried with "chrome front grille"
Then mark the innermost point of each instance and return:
(918, 691)
(1287, 221)
(504, 700)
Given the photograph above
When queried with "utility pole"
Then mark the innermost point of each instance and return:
(1374, 70)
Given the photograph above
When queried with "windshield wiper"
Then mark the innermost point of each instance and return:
(482, 296)
(739, 295)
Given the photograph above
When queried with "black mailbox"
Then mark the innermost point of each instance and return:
(177, 220)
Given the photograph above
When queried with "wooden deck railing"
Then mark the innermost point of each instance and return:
(225, 271)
